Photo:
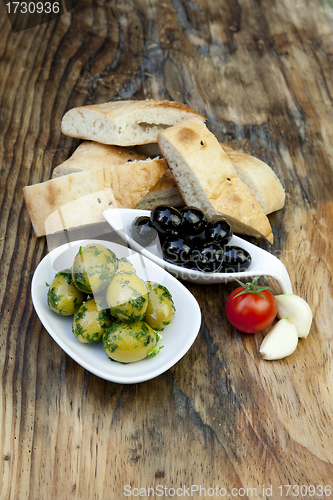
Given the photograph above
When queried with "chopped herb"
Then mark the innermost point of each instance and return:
(96, 250)
(139, 302)
(147, 340)
(53, 298)
(80, 314)
(103, 318)
(78, 330)
(153, 351)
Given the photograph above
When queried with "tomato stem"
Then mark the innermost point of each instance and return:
(252, 287)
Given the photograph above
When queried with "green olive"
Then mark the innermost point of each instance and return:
(127, 297)
(130, 342)
(160, 311)
(93, 267)
(125, 265)
(90, 322)
(62, 296)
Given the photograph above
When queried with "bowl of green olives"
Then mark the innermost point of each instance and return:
(195, 249)
(116, 313)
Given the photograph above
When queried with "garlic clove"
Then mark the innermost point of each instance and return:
(280, 342)
(297, 310)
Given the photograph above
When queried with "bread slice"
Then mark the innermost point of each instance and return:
(93, 191)
(165, 192)
(207, 179)
(80, 212)
(259, 178)
(125, 123)
(132, 181)
(90, 155)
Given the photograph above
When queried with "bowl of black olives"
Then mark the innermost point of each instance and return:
(191, 247)
(189, 240)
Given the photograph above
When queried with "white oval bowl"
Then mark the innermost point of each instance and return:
(177, 339)
(263, 263)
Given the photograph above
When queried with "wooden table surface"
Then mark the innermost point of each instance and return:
(221, 423)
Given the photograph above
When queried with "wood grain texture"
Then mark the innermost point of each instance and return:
(221, 417)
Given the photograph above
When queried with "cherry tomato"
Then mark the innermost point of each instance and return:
(251, 311)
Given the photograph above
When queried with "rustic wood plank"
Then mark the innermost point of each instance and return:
(262, 74)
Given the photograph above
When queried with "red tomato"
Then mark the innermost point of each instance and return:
(250, 312)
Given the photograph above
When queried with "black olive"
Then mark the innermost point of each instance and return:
(236, 259)
(143, 231)
(177, 250)
(143, 220)
(209, 259)
(194, 221)
(198, 241)
(167, 220)
(219, 230)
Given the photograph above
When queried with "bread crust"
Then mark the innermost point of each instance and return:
(127, 108)
(131, 182)
(207, 178)
(259, 178)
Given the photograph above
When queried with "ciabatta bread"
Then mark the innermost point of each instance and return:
(259, 178)
(89, 155)
(132, 181)
(93, 191)
(125, 123)
(165, 192)
(207, 179)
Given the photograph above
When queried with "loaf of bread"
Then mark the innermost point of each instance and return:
(207, 179)
(77, 199)
(259, 178)
(125, 123)
(89, 155)
(165, 192)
